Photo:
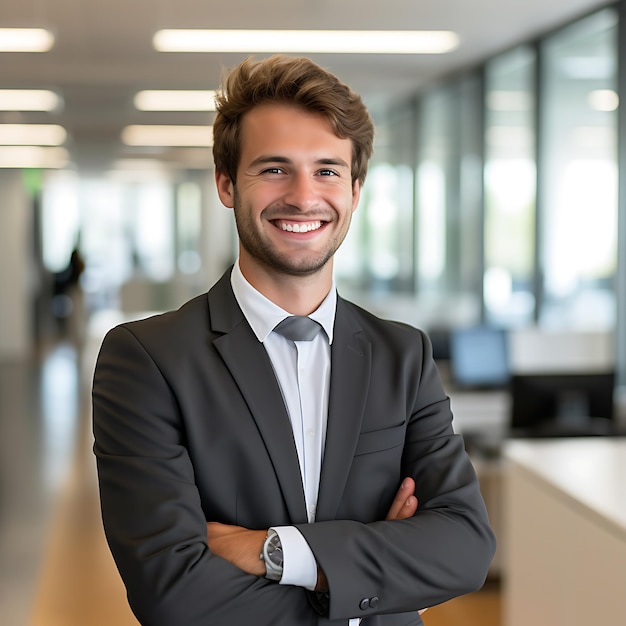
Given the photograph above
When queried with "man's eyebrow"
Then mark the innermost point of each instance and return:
(265, 159)
(262, 160)
(328, 161)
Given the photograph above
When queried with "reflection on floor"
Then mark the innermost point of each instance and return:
(39, 408)
(55, 568)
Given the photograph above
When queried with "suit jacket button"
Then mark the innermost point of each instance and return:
(364, 604)
(374, 602)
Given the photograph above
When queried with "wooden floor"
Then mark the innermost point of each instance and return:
(476, 609)
(78, 584)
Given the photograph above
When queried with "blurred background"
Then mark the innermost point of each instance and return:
(493, 216)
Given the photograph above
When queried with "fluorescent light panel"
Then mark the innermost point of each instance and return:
(32, 135)
(24, 157)
(175, 100)
(167, 136)
(603, 100)
(25, 40)
(306, 41)
(28, 100)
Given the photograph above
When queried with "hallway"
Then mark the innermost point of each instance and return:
(55, 567)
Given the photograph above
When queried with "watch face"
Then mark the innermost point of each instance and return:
(275, 551)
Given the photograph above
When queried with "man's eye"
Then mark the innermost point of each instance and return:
(272, 170)
(327, 173)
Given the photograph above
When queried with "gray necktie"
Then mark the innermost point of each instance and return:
(298, 328)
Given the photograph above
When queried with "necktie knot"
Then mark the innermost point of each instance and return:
(298, 328)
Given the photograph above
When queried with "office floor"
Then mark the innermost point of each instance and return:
(55, 568)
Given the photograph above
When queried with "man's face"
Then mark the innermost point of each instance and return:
(294, 196)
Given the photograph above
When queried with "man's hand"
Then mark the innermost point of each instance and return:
(238, 545)
(242, 547)
(404, 504)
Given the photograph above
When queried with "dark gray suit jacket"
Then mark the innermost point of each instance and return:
(190, 427)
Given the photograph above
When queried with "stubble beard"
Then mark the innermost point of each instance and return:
(263, 250)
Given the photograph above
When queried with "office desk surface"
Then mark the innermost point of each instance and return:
(590, 473)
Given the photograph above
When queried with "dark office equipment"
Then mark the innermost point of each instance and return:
(440, 340)
(479, 357)
(562, 405)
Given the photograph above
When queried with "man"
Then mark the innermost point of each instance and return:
(251, 478)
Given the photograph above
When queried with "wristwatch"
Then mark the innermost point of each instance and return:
(273, 556)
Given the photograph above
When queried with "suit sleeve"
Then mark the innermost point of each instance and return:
(151, 509)
(443, 551)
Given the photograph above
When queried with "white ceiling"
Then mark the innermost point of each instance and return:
(103, 52)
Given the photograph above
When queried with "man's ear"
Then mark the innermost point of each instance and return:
(225, 189)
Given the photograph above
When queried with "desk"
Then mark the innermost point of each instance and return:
(485, 413)
(565, 523)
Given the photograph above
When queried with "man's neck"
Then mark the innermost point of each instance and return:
(299, 295)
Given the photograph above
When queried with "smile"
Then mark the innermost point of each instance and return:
(300, 227)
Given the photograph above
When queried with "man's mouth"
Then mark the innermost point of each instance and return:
(299, 227)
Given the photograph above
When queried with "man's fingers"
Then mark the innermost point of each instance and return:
(404, 504)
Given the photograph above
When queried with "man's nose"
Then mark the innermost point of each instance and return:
(301, 191)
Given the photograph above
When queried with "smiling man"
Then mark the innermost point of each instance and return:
(293, 201)
(262, 451)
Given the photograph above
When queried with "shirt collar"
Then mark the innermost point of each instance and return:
(263, 315)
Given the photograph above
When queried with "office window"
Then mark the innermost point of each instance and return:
(105, 237)
(510, 188)
(153, 226)
(387, 213)
(469, 218)
(448, 199)
(60, 216)
(377, 255)
(188, 227)
(435, 171)
(578, 227)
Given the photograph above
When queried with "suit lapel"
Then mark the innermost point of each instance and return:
(252, 370)
(350, 378)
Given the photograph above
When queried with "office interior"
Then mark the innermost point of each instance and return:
(493, 217)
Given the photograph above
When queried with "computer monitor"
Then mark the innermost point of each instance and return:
(479, 357)
(567, 404)
(440, 341)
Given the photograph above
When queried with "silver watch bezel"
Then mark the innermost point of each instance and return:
(272, 548)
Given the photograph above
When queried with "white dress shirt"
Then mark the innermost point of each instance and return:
(303, 372)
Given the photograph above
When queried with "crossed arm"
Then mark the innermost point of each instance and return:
(242, 546)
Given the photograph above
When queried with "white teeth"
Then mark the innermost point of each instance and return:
(301, 228)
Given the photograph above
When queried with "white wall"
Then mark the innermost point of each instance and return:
(15, 268)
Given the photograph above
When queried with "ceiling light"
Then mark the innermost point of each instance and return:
(145, 135)
(178, 100)
(25, 40)
(25, 157)
(32, 135)
(28, 100)
(306, 41)
(603, 100)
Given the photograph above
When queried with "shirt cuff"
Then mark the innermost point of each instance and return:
(299, 564)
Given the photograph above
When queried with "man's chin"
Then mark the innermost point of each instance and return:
(308, 267)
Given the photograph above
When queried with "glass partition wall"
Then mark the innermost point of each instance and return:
(510, 175)
(579, 190)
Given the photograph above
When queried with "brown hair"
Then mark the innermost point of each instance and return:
(287, 80)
